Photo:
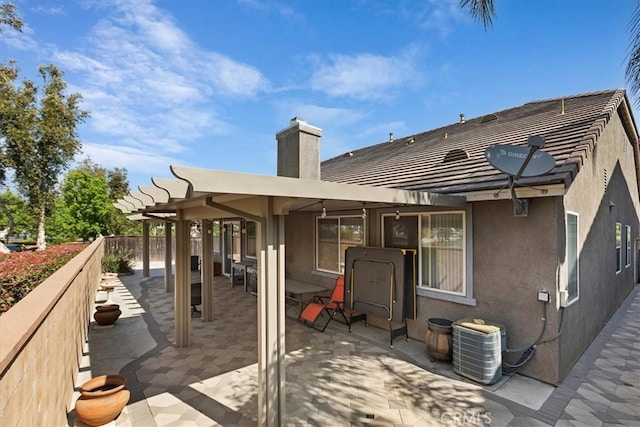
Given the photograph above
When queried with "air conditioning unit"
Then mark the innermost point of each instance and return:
(477, 349)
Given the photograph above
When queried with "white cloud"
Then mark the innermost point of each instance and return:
(145, 82)
(122, 156)
(317, 115)
(49, 9)
(365, 76)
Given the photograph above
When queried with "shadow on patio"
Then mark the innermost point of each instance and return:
(333, 378)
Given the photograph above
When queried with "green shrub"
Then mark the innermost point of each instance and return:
(117, 261)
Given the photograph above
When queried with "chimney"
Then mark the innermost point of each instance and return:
(299, 150)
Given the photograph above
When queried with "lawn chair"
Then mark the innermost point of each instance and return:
(313, 310)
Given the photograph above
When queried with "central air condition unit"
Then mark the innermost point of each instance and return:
(477, 349)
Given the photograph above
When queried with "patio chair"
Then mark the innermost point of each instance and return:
(333, 306)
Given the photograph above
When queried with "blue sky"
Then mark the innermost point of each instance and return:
(209, 83)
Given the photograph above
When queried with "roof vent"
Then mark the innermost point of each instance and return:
(410, 141)
(390, 136)
(349, 154)
(489, 118)
(455, 155)
(462, 119)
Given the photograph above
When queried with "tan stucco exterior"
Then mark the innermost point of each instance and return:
(603, 193)
(514, 257)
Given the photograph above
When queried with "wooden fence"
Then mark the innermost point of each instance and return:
(156, 246)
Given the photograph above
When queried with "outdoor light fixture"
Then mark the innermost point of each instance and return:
(324, 210)
(397, 214)
(364, 211)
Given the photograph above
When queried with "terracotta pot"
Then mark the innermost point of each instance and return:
(102, 399)
(107, 314)
(103, 385)
(438, 339)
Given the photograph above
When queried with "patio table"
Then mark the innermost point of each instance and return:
(302, 292)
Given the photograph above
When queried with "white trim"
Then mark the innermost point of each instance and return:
(338, 217)
(460, 298)
(618, 260)
(571, 300)
(521, 192)
(628, 247)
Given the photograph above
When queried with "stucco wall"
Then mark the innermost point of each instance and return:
(513, 258)
(300, 250)
(601, 290)
(42, 343)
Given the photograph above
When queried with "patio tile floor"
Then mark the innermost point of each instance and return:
(337, 378)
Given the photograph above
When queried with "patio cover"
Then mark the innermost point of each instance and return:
(204, 194)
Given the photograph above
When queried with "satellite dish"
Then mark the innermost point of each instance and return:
(510, 159)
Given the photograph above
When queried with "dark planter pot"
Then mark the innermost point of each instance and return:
(438, 339)
(107, 314)
(102, 399)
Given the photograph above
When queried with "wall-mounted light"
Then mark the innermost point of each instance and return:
(324, 210)
(397, 215)
(364, 211)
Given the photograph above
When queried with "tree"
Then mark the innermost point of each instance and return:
(82, 209)
(85, 206)
(39, 134)
(9, 17)
(118, 223)
(118, 183)
(14, 215)
(484, 11)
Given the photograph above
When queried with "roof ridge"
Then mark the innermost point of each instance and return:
(578, 95)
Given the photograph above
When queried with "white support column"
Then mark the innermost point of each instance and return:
(182, 294)
(271, 339)
(207, 270)
(145, 249)
(168, 258)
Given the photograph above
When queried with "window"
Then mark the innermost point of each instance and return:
(628, 254)
(440, 238)
(572, 255)
(618, 247)
(442, 246)
(250, 239)
(333, 236)
(216, 236)
(401, 232)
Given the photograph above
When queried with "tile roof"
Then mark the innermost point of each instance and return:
(570, 125)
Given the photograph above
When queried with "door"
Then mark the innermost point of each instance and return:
(231, 245)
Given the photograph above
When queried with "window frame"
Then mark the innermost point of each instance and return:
(627, 229)
(618, 237)
(339, 217)
(467, 298)
(246, 239)
(421, 251)
(573, 297)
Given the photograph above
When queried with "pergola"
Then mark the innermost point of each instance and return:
(206, 195)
